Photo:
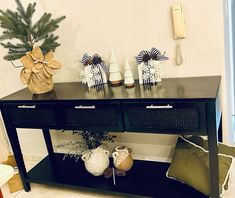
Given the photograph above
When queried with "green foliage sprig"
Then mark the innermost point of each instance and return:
(93, 139)
(89, 140)
(18, 25)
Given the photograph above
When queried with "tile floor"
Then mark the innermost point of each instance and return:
(43, 191)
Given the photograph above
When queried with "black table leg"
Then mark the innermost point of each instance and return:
(213, 150)
(220, 130)
(13, 137)
(47, 138)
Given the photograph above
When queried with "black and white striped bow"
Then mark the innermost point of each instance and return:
(86, 59)
(93, 60)
(97, 60)
(154, 54)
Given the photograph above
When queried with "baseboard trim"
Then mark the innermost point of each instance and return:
(159, 153)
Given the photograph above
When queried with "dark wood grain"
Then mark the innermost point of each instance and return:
(169, 88)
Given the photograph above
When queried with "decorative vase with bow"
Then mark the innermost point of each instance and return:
(96, 161)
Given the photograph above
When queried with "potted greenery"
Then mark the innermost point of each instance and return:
(32, 43)
(95, 157)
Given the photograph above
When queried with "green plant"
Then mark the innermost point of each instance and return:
(89, 140)
(18, 25)
(92, 140)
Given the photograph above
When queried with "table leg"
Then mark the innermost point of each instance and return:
(47, 138)
(220, 130)
(213, 150)
(13, 137)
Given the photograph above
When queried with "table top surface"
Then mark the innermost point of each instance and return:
(205, 87)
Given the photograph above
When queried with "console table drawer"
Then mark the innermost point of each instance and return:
(92, 116)
(165, 117)
(31, 115)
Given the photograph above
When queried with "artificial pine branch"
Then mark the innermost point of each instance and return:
(19, 25)
(20, 8)
(14, 56)
(29, 13)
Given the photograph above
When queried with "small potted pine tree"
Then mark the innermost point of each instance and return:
(33, 43)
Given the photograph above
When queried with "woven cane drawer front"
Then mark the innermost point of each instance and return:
(92, 116)
(31, 115)
(169, 117)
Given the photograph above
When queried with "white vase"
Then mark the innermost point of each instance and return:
(96, 161)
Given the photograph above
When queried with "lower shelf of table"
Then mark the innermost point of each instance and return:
(145, 178)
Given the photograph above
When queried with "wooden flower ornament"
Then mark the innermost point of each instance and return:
(38, 70)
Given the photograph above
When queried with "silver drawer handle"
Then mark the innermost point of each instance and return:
(27, 107)
(85, 107)
(159, 107)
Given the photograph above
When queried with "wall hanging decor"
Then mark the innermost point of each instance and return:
(33, 45)
(149, 66)
(94, 71)
(179, 29)
(115, 76)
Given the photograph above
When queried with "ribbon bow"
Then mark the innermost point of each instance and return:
(154, 54)
(93, 60)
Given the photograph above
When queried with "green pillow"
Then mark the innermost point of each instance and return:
(190, 165)
(222, 148)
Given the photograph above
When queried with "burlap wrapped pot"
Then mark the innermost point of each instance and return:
(38, 70)
(39, 86)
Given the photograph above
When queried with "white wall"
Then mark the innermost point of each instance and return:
(128, 26)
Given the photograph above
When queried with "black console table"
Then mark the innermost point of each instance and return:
(175, 106)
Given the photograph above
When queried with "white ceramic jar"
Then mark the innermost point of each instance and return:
(96, 161)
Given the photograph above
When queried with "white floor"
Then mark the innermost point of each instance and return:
(43, 191)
